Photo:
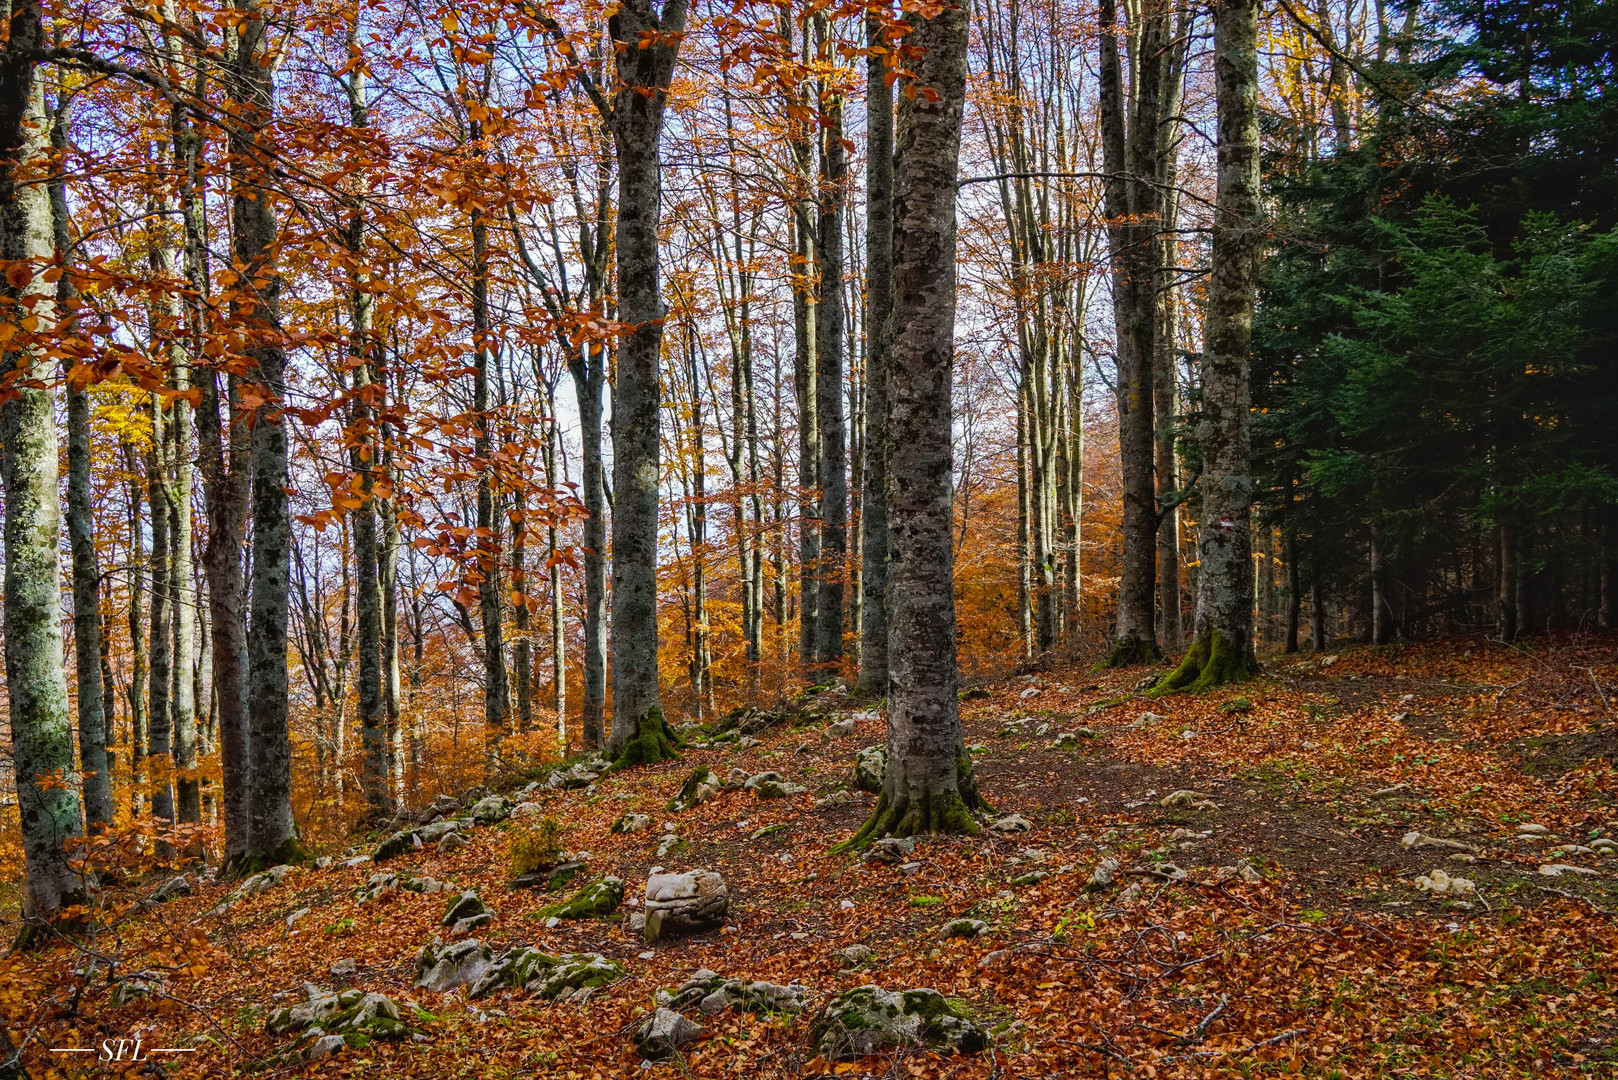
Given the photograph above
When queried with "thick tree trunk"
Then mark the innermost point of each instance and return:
(829, 341)
(271, 833)
(648, 41)
(1130, 122)
(1222, 651)
(929, 785)
(873, 676)
(41, 737)
(388, 579)
(1506, 612)
(95, 722)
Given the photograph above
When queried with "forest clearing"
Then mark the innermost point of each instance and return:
(1279, 928)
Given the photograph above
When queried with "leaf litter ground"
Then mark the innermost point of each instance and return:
(1331, 963)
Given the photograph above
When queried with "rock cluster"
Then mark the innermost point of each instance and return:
(869, 1020)
(870, 765)
(326, 1021)
(713, 993)
(566, 977)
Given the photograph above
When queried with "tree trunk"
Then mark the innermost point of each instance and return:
(88, 645)
(1222, 650)
(364, 459)
(1294, 589)
(1506, 616)
(1130, 122)
(41, 737)
(489, 593)
(271, 833)
(929, 785)
(829, 340)
(588, 377)
(644, 68)
(159, 730)
(873, 676)
(137, 639)
(1381, 616)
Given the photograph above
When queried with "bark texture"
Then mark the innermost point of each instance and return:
(271, 833)
(873, 675)
(929, 785)
(41, 740)
(645, 65)
(1222, 650)
(829, 357)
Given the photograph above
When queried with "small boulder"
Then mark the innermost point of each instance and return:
(837, 798)
(1439, 883)
(1105, 874)
(685, 903)
(770, 785)
(840, 728)
(864, 1022)
(441, 967)
(567, 977)
(870, 766)
(664, 1031)
(597, 900)
(967, 928)
(1012, 823)
(344, 968)
(698, 788)
(892, 850)
(491, 810)
(172, 888)
(464, 906)
(451, 842)
(859, 955)
(632, 823)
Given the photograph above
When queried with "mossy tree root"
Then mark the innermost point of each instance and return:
(1132, 651)
(1212, 661)
(943, 812)
(654, 740)
(290, 853)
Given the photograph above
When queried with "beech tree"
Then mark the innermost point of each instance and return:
(1222, 649)
(929, 785)
(648, 40)
(41, 740)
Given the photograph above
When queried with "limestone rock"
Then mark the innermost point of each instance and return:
(578, 775)
(491, 810)
(1105, 874)
(344, 968)
(1417, 839)
(770, 785)
(1012, 823)
(597, 900)
(569, 976)
(869, 1020)
(685, 903)
(967, 928)
(837, 798)
(1439, 883)
(441, 967)
(892, 850)
(632, 823)
(841, 728)
(713, 993)
(664, 1031)
(870, 765)
(172, 888)
(464, 906)
(858, 955)
(1558, 869)
(698, 788)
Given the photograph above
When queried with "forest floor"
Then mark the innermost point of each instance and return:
(1326, 961)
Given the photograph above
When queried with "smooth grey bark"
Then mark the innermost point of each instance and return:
(160, 718)
(829, 369)
(135, 622)
(495, 691)
(522, 652)
(1130, 123)
(588, 368)
(873, 674)
(41, 738)
(805, 325)
(250, 85)
(648, 40)
(94, 719)
(929, 785)
(1222, 650)
(364, 459)
(388, 581)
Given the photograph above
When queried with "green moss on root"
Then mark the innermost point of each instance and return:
(1132, 651)
(1212, 661)
(653, 741)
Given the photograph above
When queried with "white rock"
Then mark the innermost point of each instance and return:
(1558, 869)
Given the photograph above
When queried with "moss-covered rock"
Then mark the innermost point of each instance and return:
(597, 900)
(713, 993)
(869, 1020)
(465, 906)
(698, 788)
(967, 928)
(632, 823)
(870, 765)
(326, 1022)
(441, 967)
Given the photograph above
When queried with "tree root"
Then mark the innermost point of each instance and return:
(939, 813)
(653, 741)
(1132, 651)
(1212, 661)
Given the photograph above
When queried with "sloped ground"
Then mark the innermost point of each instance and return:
(1330, 964)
